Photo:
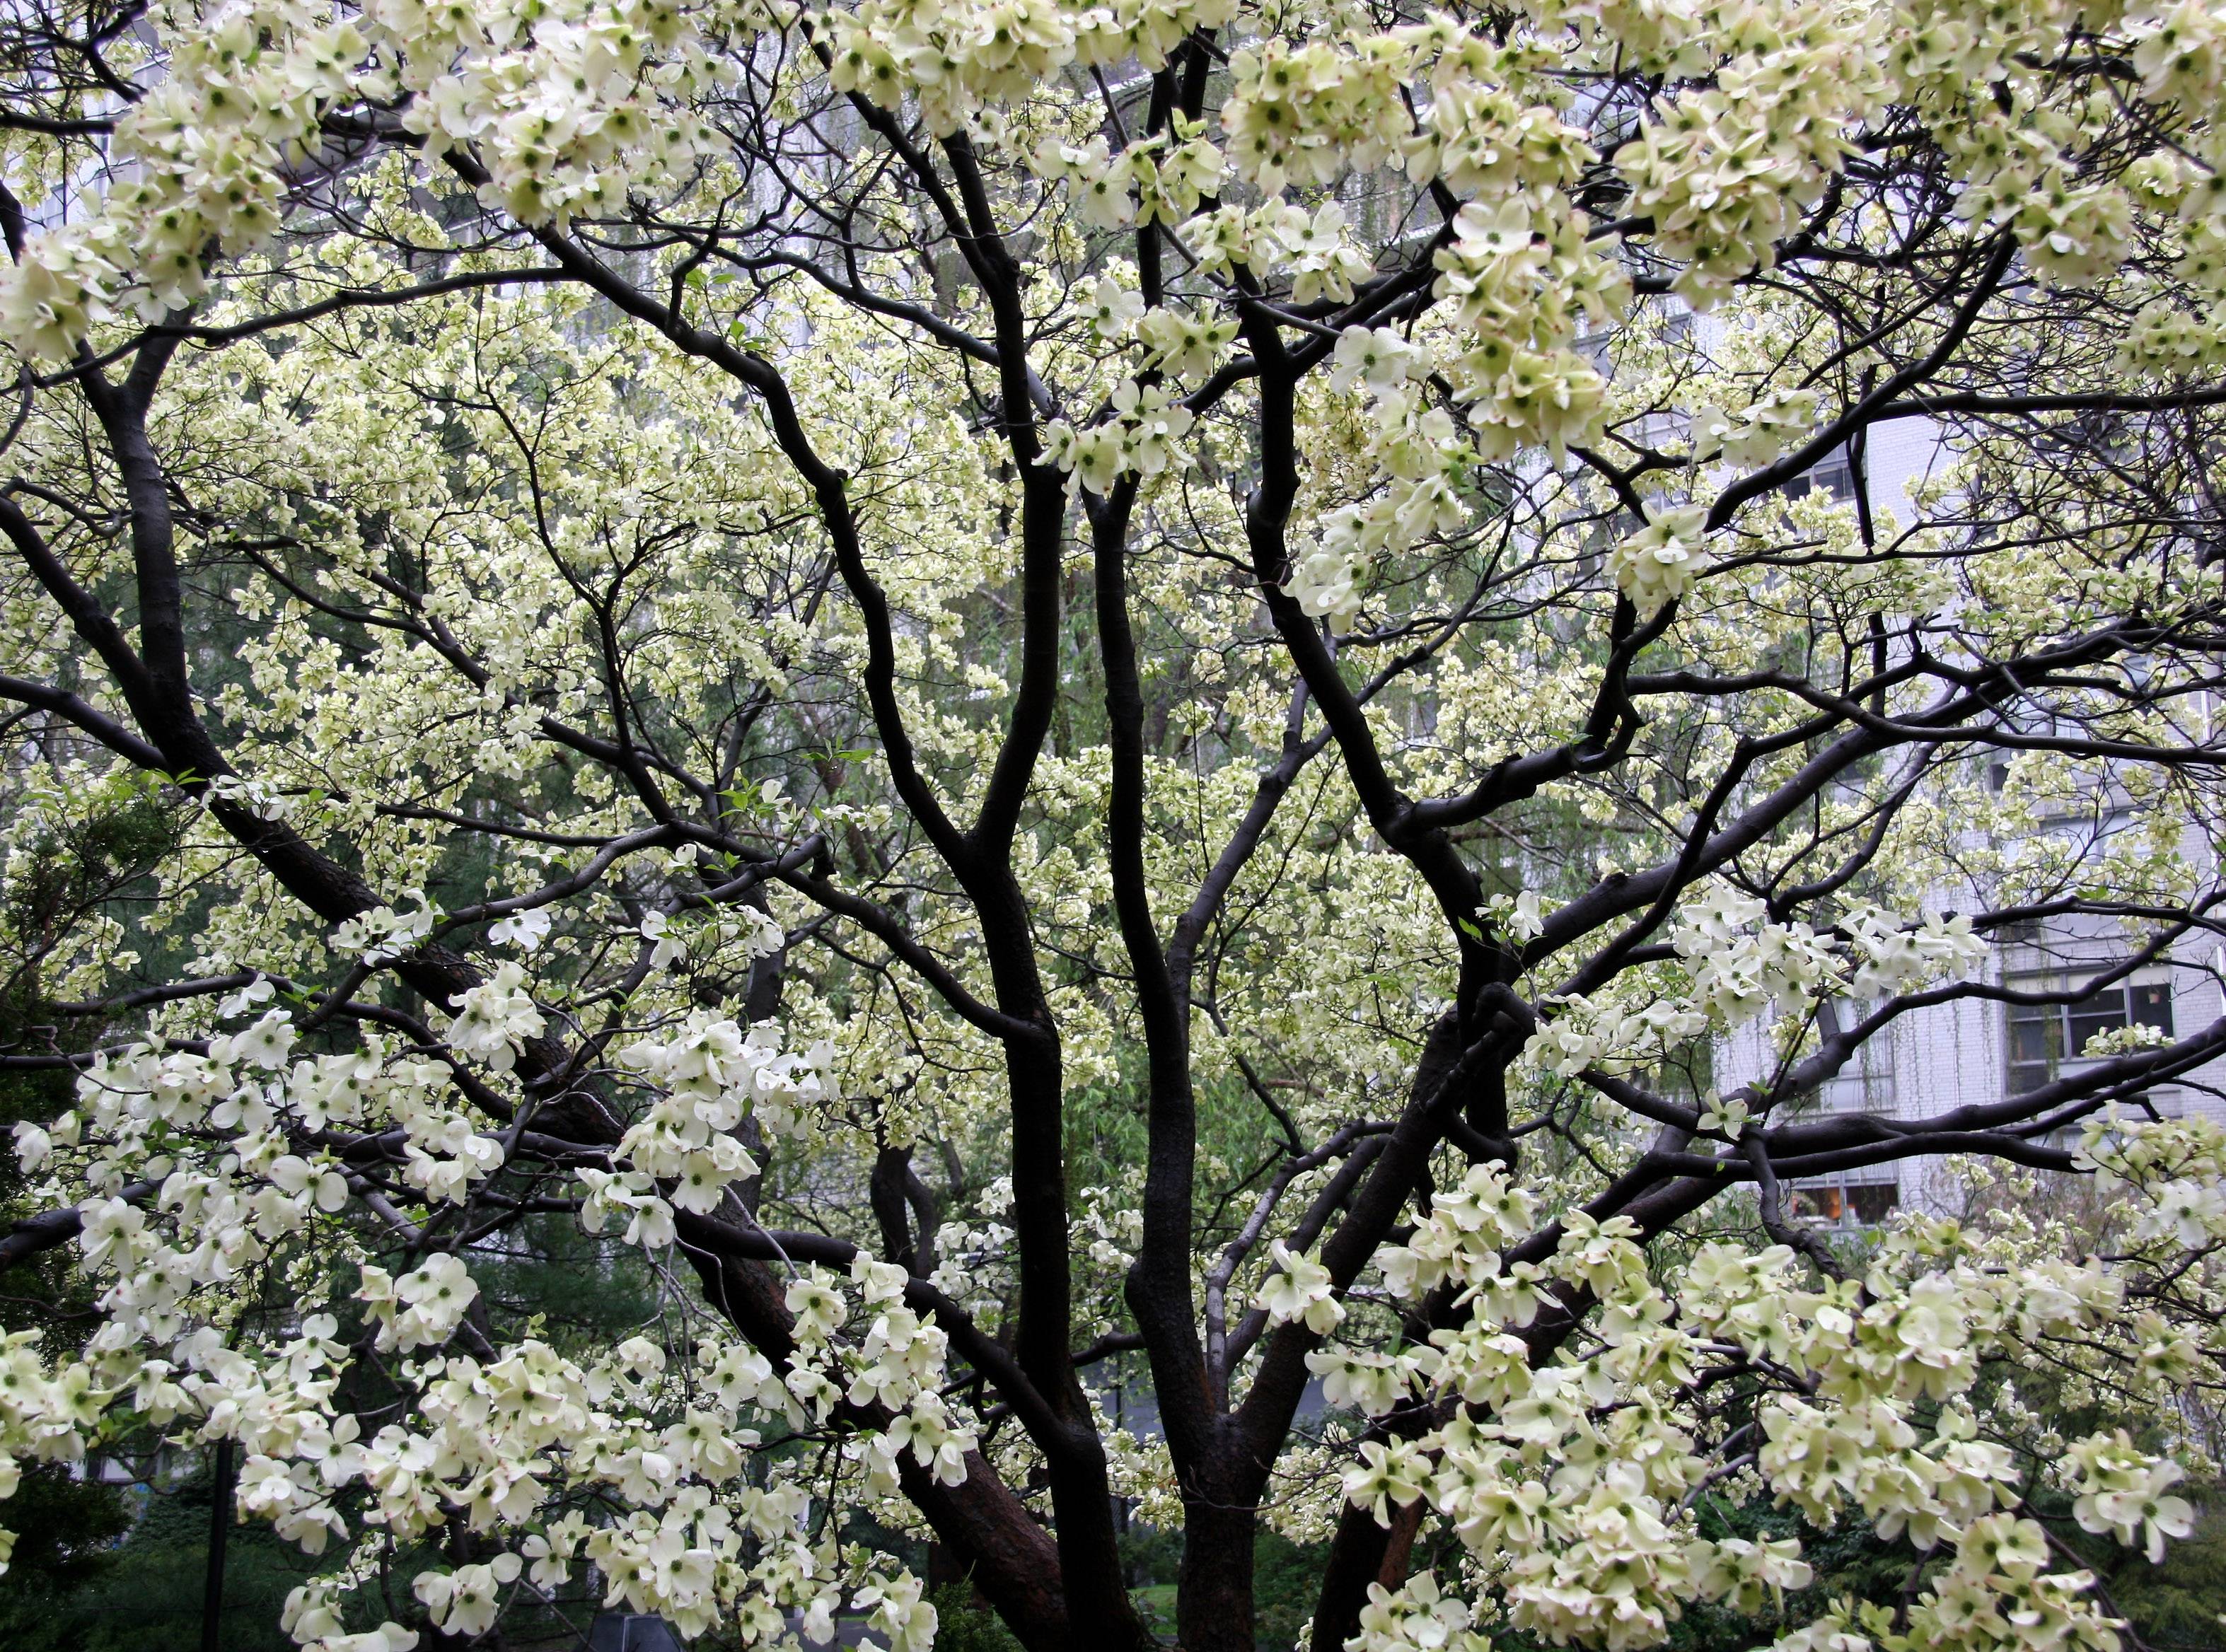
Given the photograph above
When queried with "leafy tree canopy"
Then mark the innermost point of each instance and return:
(757, 745)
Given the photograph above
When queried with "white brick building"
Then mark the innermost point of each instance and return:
(1976, 1049)
(1981, 1050)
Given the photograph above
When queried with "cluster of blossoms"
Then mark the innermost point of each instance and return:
(957, 57)
(2125, 1492)
(565, 106)
(382, 935)
(1738, 964)
(1418, 1616)
(44, 1414)
(1142, 437)
(1778, 420)
(897, 1366)
(1301, 1289)
(1158, 180)
(1571, 1485)
(420, 1309)
(1413, 445)
(1524, 276)
(709, 1076)
(1314, 249)
(1659, 563)
(2166, 343)
(496, 1443)
(1996, 1590)
(1183, 344)
(1611, 1032)
(494, 1019)
(206, 1168)
(1725, 171)
(244, 87)
(2170, 1170)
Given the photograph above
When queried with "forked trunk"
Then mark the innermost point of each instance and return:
(1213, 1598)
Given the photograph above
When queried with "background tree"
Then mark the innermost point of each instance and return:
(1013, 684)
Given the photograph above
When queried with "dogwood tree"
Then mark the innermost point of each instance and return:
(761, 624)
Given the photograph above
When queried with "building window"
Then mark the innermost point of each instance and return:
(2043, 1037)
(1846, 1201)
(1832, 475)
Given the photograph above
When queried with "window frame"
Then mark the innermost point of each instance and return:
(2052, 1034)
(1836, 1200)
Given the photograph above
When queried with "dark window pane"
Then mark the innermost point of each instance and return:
(1870, 1201)
(2104, 1012)
(1817, 1203)
(2034, 1033)
(2026, 1076)
(2153, 1006)
(2109, 1003)
(1832, 477)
